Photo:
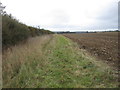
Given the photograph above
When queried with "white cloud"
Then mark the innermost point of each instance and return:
(61, 14)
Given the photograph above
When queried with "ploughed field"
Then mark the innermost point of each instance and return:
(103, 45)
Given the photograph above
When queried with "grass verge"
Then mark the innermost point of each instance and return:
(56, 63)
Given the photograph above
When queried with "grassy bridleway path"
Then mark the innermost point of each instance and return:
(54, 61)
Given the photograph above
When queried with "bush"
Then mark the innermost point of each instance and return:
(13, 31)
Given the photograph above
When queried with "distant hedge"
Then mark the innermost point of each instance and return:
(13, 31)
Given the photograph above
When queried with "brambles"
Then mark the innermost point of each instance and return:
(13, 31)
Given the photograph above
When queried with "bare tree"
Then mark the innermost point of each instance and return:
(1, 8)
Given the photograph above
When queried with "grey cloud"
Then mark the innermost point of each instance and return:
(60, 17)
(105, 19)
(108, 18)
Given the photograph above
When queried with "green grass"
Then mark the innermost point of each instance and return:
(59, 63)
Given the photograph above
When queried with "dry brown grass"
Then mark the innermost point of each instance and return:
(14, 57)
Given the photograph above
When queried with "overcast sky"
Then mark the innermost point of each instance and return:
(65, 15)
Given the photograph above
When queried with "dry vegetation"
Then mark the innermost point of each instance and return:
(102, 45)
(15, 57)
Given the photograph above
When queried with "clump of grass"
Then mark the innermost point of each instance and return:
(55, 63)
(22, 57)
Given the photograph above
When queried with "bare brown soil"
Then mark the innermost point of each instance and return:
(103, 45)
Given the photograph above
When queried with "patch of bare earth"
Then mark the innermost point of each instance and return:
(101, 45)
